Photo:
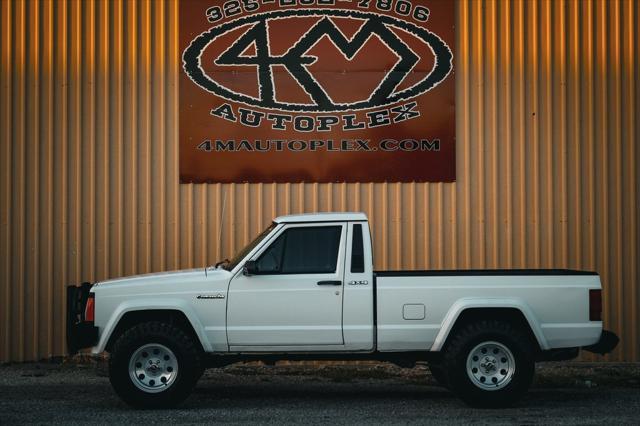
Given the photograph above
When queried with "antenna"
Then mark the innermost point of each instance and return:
(224, 206)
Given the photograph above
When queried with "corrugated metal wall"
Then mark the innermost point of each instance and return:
(548, 106)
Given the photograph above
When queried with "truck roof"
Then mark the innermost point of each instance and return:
(322, 217)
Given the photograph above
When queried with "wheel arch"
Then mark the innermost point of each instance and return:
(126, 317)
(465, 311)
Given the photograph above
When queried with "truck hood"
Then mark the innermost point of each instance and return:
(168, 277)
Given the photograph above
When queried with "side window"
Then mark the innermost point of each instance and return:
(357, 250)
(311, 250)
(305, 250)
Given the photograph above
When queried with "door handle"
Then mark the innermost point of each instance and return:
(329, 282)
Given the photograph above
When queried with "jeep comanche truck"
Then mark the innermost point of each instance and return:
(305, 289)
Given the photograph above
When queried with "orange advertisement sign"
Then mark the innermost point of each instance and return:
(317, 91)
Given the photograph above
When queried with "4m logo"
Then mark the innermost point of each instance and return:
(324, 60)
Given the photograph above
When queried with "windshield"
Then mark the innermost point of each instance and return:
(242, 253)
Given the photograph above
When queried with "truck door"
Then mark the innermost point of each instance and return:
(294, 298)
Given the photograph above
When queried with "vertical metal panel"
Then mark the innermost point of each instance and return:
(547, 132)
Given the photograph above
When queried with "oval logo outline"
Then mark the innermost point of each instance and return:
(443, 66)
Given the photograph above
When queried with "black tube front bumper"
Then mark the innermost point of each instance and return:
(608, 341)
(80, 332)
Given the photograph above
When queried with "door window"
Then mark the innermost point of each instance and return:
(304, 250)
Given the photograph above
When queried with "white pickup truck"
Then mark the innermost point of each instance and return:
(305, 289)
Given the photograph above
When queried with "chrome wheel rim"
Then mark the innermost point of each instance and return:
(153, 368)
(491, 366)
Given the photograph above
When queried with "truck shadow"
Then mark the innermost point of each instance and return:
(211, 395)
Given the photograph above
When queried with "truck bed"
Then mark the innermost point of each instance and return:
(416, 309)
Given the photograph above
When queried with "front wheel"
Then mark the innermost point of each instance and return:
(489, 364)
(154, 365)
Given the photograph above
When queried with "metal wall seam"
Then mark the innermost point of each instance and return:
(6, 97)
(632, 225)
(547, 125)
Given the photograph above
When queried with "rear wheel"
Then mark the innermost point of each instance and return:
(154, 365)
(489, 363)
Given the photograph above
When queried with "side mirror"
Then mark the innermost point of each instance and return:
(250, 268)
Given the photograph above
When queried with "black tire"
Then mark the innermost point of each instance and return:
(476, 335)
(188, 361)
(439, 374)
